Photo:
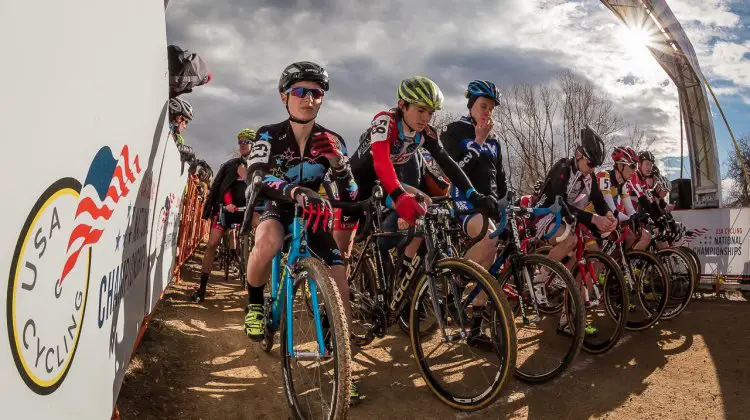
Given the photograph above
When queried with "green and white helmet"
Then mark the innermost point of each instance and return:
(421, 91)
(247, 133)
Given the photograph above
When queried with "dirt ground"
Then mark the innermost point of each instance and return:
(195, 363)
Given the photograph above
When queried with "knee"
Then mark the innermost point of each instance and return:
(267, 245)
(645, 236)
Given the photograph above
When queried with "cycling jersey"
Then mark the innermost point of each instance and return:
(641, 196)
(385, 144)
(613, 193)
(275, 151)
(577, 189)
(225, 179)
(482, 163)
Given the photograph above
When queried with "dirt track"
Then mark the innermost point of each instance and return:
(195, 363)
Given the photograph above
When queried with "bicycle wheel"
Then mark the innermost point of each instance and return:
(363, 298)
(316, 383)
(682, 276)
(242, 245)
(608, 313)
(696, 263)
(462, 375)
(543, 352)
(650, 293)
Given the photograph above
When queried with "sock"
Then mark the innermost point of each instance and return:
(204, 280)
(255, 294)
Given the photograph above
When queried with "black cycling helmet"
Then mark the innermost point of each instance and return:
(592, 146)
(646, 155)
(303, 71)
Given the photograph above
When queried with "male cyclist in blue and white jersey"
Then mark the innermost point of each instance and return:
(468, 141)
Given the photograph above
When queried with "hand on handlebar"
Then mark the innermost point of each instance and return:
(409, 209)
(314, 206)
(486, 202)
(602, 223)
(231, 208)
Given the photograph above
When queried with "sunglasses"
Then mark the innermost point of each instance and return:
(302, 92)
(244, 142)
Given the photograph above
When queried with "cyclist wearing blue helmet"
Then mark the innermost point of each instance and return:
(468, 141)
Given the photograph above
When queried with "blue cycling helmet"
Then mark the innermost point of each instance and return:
(482, 88)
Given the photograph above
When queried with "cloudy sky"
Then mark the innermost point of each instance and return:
(368, 47)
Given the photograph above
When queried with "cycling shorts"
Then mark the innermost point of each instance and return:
(228, 220)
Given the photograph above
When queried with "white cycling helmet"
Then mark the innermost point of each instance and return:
(182, 107)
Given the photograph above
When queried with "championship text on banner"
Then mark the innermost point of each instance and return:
(721, 240)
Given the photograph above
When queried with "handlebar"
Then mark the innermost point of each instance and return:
(365, 206)
(558, 208)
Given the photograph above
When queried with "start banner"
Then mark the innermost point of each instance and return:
(722, 240)
(93, 190)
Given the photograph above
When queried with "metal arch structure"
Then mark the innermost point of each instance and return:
(672, 49)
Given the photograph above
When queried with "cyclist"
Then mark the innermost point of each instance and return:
(468, 141)
(612, 184)
(660, 192)
(293, 157)
(573, 180)
(227, 189)
(641, 196)
(390, 146)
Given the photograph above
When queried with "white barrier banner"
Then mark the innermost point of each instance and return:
(93, 188)
(722, 239)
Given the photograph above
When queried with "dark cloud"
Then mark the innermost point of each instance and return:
(453, 69)
(368, 47)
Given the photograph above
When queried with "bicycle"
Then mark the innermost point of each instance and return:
(232, 236)
(514, 270)
(649, 295)
(438, 299)
(604, 291)
(328, 349)
(680, 268)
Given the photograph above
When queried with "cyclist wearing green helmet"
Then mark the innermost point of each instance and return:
(387, 150)
(228, 190)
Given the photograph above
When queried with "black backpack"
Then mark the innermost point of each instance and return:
(186, 71)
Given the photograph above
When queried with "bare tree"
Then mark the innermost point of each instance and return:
(525, 126)
(739, 195)
(538, 125)
(636, 137)
(441, 119)
(584, 104)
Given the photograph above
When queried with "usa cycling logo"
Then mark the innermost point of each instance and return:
(49, 275)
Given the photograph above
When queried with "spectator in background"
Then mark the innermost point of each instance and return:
(180, 113)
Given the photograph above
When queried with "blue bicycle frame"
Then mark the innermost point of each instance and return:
(282, 287)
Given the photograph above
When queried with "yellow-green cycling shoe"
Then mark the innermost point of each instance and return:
(255, 326)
